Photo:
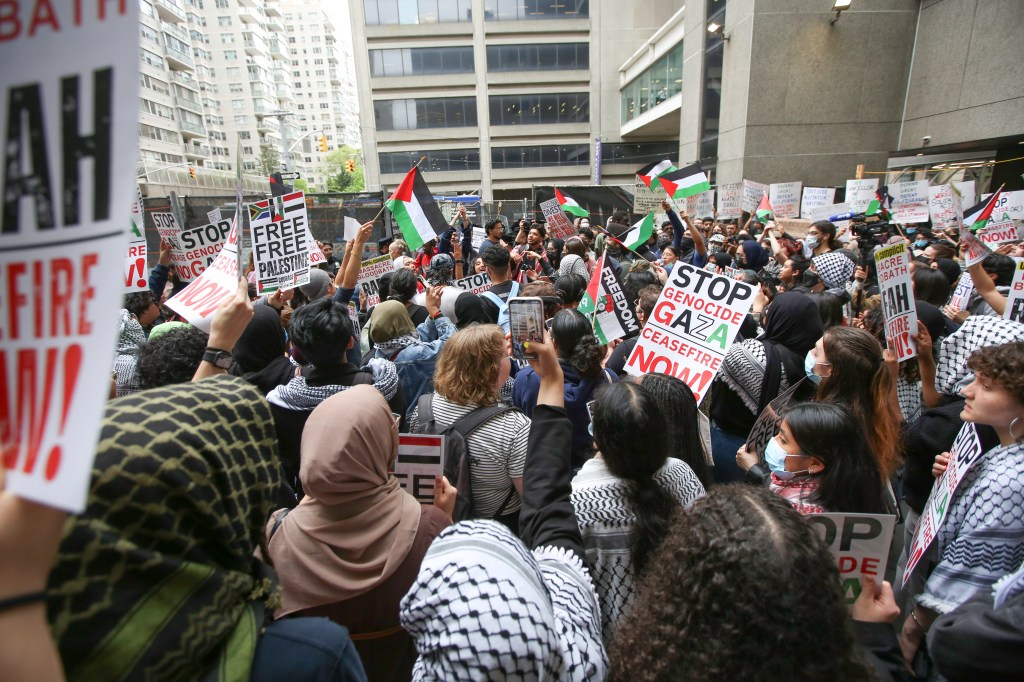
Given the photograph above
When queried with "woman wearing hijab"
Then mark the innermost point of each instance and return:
(757, 371)
(752, 256)
(157, 578)
(574, 259)
(350, 550)
(130, 337)
(261, 351)
(833, 268)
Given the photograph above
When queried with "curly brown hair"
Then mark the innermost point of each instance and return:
(1003, 365)
(702, 614)
(467, 371)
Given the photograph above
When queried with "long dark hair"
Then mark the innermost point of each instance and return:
(851, 481)
(931, 286)
(627, 430)
(682, 422)
(403, 286)
(577, 343)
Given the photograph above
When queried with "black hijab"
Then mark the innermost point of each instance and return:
(470, 309)
(260, 351)
(791, 328)
(950, 268)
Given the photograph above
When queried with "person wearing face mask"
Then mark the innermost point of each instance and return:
(820, 462)
(821, 238)
(683, 237)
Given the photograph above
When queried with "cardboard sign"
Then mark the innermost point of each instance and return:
(814, 198)
(199, 300)
(963, 292)
(965, 452)
(197, 247)
(420, 459)
(370, 272)
(476, 284)
(1002, 232)
(785, 198)
(69, 117)
(859, 193)
(135, 268)
(558, 225)
(280, 248)
(752, 193)
(910, 201)
(730, 200)
(860, 544)
(692, 325)
(1015, 301)
(646, 199)
(893, 266)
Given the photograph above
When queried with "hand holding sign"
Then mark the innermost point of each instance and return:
(231, 318)
(941, 464)
(444, 496)
(876, 603)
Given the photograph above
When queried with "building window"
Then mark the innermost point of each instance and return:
(411, 114)
(528, 10)
(388, 12)
(436, 160)
(234, 72)
(241, 120)
(537, 109)
(657, 83)
(421, 61)
(638, 153)
(227, 38)
(161, 134)
(712, 101)
(224, 21)
(538, 57)
(548, 155)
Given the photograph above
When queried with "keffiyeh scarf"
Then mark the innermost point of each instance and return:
(743, 372)
(396, 345)
(484, 607)
(978, 331)
(130, 337)
(833, 268)
(297, 394)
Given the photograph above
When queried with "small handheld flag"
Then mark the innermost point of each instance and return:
(415, 210)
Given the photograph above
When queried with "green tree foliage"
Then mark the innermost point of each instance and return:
(270, 159)
(339, 179)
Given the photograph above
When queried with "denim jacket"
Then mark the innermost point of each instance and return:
(416, 363)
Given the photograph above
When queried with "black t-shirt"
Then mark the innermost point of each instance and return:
(617, 361)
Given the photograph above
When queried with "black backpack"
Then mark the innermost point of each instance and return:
(457, 458)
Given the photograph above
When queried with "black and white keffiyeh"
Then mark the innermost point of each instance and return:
(297, 394)
(743, 371)
(833, 268)
(396, 345)
(485, 608)
(979, 331)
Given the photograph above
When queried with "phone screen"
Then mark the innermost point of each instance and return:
(526, 323)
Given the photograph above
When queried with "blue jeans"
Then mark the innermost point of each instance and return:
(723, 450)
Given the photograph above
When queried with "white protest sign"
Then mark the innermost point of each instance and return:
(197, 247)
(785, 198)
(730, 199)
(479, 235)
(280, 247)
(135, 261)
(859, 193)
(199, 300)
(732, 273)
(1009, 205)
(692, 325)
(814, 198)
(370, 272)
(353, 316)
(647, 199)
(893, 266)
(1015, 301)
(558, 226)
(942, 202)
(420, 459)
(351, 230)
(476, 284)
(965, 452)
(962, 293)
(167, 227)
(752, 193)
(214, 216)
(910, 201)
(966, 189)
(1000, 232)
(70, 92)
(701, 205)
(860, 544)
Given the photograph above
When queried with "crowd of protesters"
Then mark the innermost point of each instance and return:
(244, 520)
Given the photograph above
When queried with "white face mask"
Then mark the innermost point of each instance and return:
(584, 223)
(811, 241)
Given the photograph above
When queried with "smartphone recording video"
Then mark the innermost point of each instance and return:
(526, 323)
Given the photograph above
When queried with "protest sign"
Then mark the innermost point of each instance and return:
(942, 202)
(967, 193)
(767, 423)
(910, 201)
(197, 247)
(785, 198)
(1015, 300)
(135, 277)
(727, 271)
(647, 199)
(214, 216)
(859, 543)
(476, 284)
(692, 325)
(965, 452)
(730, 199)
(829, 210)
(859, 193)
(558, 226)
(1000, 232)
(479, 235)
(351, 230)
(370, 272)
(814, 198)
(70, 91)
(167, 227)
(199, 300)
(962, 293)
(353, 316)
(1009, 205)
(701, 205)
(893, 267)
(280, 247)
(752, 193)
(606, 306)
(420, 459)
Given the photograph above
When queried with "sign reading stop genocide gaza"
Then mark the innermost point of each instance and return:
(692, 325)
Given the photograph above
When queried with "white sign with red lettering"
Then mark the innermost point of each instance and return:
(730, 200)
(859, 543)
(1015, 301)
(199, 300)
(70, 92)
(785, 198)
(910, 201)
(135, 269)
(370, 272)
(197, 247)
(1001, 232)
(814, 198)
(965, 452)
(692, 325)
(752, 193)
(893, 266)
(962, 294)
(558, 226)
(476, 284)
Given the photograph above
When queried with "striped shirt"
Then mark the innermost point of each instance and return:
(498, 451)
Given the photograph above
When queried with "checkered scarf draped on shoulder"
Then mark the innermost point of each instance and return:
(979, 331)
(156, 579)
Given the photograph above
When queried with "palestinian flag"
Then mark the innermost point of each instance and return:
(641, 232)
(881, 204)
(413, 206)
(976, 217)
(605, 304)
(685, 182)
(652, 170)
(764, 209)
(569, 205)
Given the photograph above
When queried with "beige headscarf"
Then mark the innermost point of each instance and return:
(389, 320)
(355, 526)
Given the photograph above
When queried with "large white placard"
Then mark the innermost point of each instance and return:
(859, 193)
(281, 245)
(1015, 301)
(730, 201)
(860, 544)
(785, 198)
(752, 193)
(558, 226)
(910, 201)
(814, 198)
(897, 293)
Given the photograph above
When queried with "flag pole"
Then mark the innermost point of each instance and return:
(381, 211)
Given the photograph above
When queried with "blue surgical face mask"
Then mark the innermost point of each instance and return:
(921, 243)
(811, 241)
(809, 368)
(775, 456)
(911, 230)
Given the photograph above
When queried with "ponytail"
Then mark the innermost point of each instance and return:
(653, 507)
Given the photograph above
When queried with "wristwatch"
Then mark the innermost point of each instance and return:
(221, 359)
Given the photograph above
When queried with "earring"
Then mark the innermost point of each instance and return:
(1012, 424)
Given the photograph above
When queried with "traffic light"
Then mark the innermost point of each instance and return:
(350, 166)
(323, 143)
(192, 172)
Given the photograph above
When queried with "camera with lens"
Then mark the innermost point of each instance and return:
(870, 231)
